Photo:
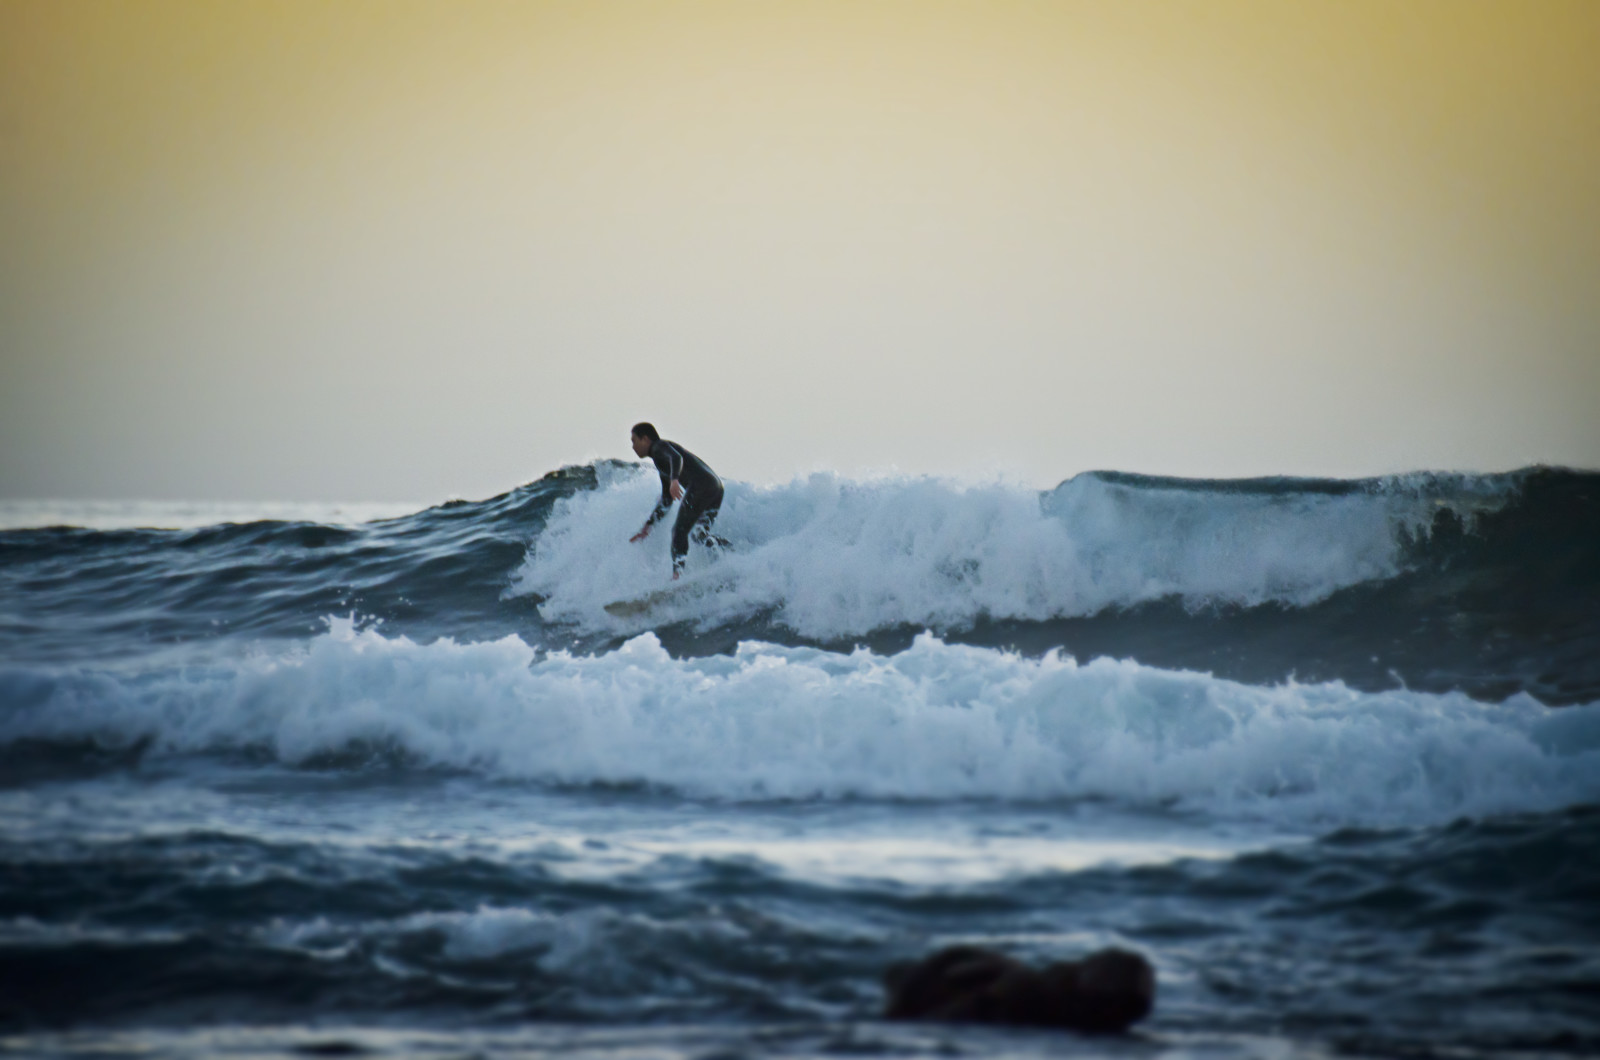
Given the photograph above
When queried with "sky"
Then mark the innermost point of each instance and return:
(381, 250)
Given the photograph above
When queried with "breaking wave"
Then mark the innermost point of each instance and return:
(831, 557)
(938, 721)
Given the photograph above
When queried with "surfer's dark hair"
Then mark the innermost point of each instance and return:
(647, 430)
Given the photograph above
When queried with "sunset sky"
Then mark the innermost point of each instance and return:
(394, 250)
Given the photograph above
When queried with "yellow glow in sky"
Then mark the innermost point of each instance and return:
(388, 249)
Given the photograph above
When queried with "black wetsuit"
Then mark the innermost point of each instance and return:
(702, 497)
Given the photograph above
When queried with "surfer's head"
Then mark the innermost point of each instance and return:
(644, 436)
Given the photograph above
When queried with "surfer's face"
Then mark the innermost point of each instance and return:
(641, 445)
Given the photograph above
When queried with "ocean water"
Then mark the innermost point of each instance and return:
(1326, 752)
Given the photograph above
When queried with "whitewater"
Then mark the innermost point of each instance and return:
(830, 557)
(1327, 752)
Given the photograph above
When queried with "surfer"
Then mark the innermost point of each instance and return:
(690, 481)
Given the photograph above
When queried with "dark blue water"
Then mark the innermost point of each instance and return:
(1327, 752)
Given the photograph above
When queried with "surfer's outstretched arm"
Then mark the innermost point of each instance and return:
(669, 462)
(655, 517)
(670, 492)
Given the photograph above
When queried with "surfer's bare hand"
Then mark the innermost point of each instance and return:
(677, 490)
(640, 535)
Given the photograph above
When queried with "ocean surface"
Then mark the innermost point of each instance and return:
(287, 782)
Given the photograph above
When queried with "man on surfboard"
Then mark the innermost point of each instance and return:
(690, 481)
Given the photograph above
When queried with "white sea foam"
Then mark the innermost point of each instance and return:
(937, 721)
(562, 939)
(832, 557)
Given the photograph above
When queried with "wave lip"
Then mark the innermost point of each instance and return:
(937, 721)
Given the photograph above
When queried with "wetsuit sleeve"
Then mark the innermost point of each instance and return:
(669, 462)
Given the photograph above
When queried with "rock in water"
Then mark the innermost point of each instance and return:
(1103, 993)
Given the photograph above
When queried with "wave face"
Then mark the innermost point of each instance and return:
(1485, 584)
(934, 722)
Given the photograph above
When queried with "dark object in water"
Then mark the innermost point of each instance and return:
(1103, 993)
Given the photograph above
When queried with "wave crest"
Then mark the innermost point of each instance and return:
(937, 721)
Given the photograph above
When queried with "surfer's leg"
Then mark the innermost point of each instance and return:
(702, 531)
(712, 504)
(687, 514)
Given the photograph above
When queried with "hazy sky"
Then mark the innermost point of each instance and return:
(379, 249)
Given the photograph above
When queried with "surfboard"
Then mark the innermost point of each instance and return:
(677, 592)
